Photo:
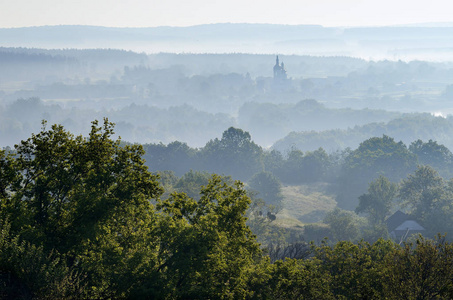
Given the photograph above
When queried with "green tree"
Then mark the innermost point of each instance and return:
(378, 201)
(315, 165)
(261, 223)
(355, 269)
(419, 271)
(191, 183)
(268, 188)
(206, 248)
(27, 271)
(343, 225)
(291, 173)
(168, 180)
(86, 198)
(433, 154)
(422, 192)
(291, 279)
(176, 156)
(302, 167)
(374, 157)
(273, 161)
(235, 155)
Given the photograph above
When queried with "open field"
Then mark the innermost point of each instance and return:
(305, 204)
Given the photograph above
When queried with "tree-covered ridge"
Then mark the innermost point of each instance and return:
(269, 122)
(407, 128)
(82, 217)
(368, 179)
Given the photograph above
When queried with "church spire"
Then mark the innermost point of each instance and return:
(279, 70)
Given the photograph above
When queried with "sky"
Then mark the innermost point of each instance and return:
(153, 13)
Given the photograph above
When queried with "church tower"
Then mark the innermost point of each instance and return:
(279, 71)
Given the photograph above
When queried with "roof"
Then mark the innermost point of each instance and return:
(409, 225)
(396, 219)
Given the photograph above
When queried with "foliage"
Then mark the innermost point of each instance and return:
(374, 157)
(291, 279)
(90, 200)
(167, 180)
(78, 220)
(378, 201)
(86, 198)
(431, 153)
(268, 188)
(407, 128)
(273, 161)
(300, 167)
(191, 183)
(261, 222)
(422, 192)
(343, 225)
(420, 270)
(28, 272)
(206, 247)
(298, 250)
(235, 155)
(317, 232)
(176, 156)
(354, 268)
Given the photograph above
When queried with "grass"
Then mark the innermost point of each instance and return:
(304, 204)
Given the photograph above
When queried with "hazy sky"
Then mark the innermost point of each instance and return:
(151, 13)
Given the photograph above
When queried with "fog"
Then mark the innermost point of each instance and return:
(189, 84)
(194, 97)
(416, 42)
(320, 114)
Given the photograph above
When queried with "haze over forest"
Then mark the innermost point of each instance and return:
(189, 84)
(406, 42)
(337, 132)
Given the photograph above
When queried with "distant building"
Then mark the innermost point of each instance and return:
(401, 225)
(279, 71)
(280, 82)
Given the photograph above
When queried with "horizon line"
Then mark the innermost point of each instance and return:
(418, 24)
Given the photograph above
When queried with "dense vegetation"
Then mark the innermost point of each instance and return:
(99, 217)
(82, 217)
(376, 179)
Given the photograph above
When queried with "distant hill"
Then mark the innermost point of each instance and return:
(406, 42)
(407, 129)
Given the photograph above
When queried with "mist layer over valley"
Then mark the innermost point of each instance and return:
(226, 161)
(192, 98)
(301, 118)
(411, 42)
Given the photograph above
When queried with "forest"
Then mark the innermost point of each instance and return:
(209, 178)
(83, 217)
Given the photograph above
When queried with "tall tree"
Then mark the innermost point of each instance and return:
(343, 225)
(374, 157)
(422, 192)
(206, 248)
(378, 201)
(235, 155)
(86, 198)
(433, 154)
(268, 187)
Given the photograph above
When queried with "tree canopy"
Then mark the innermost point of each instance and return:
(374, 157)
(82, 217)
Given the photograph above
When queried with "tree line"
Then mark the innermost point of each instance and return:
(82, 217)
(348, 171)
(373, 181)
